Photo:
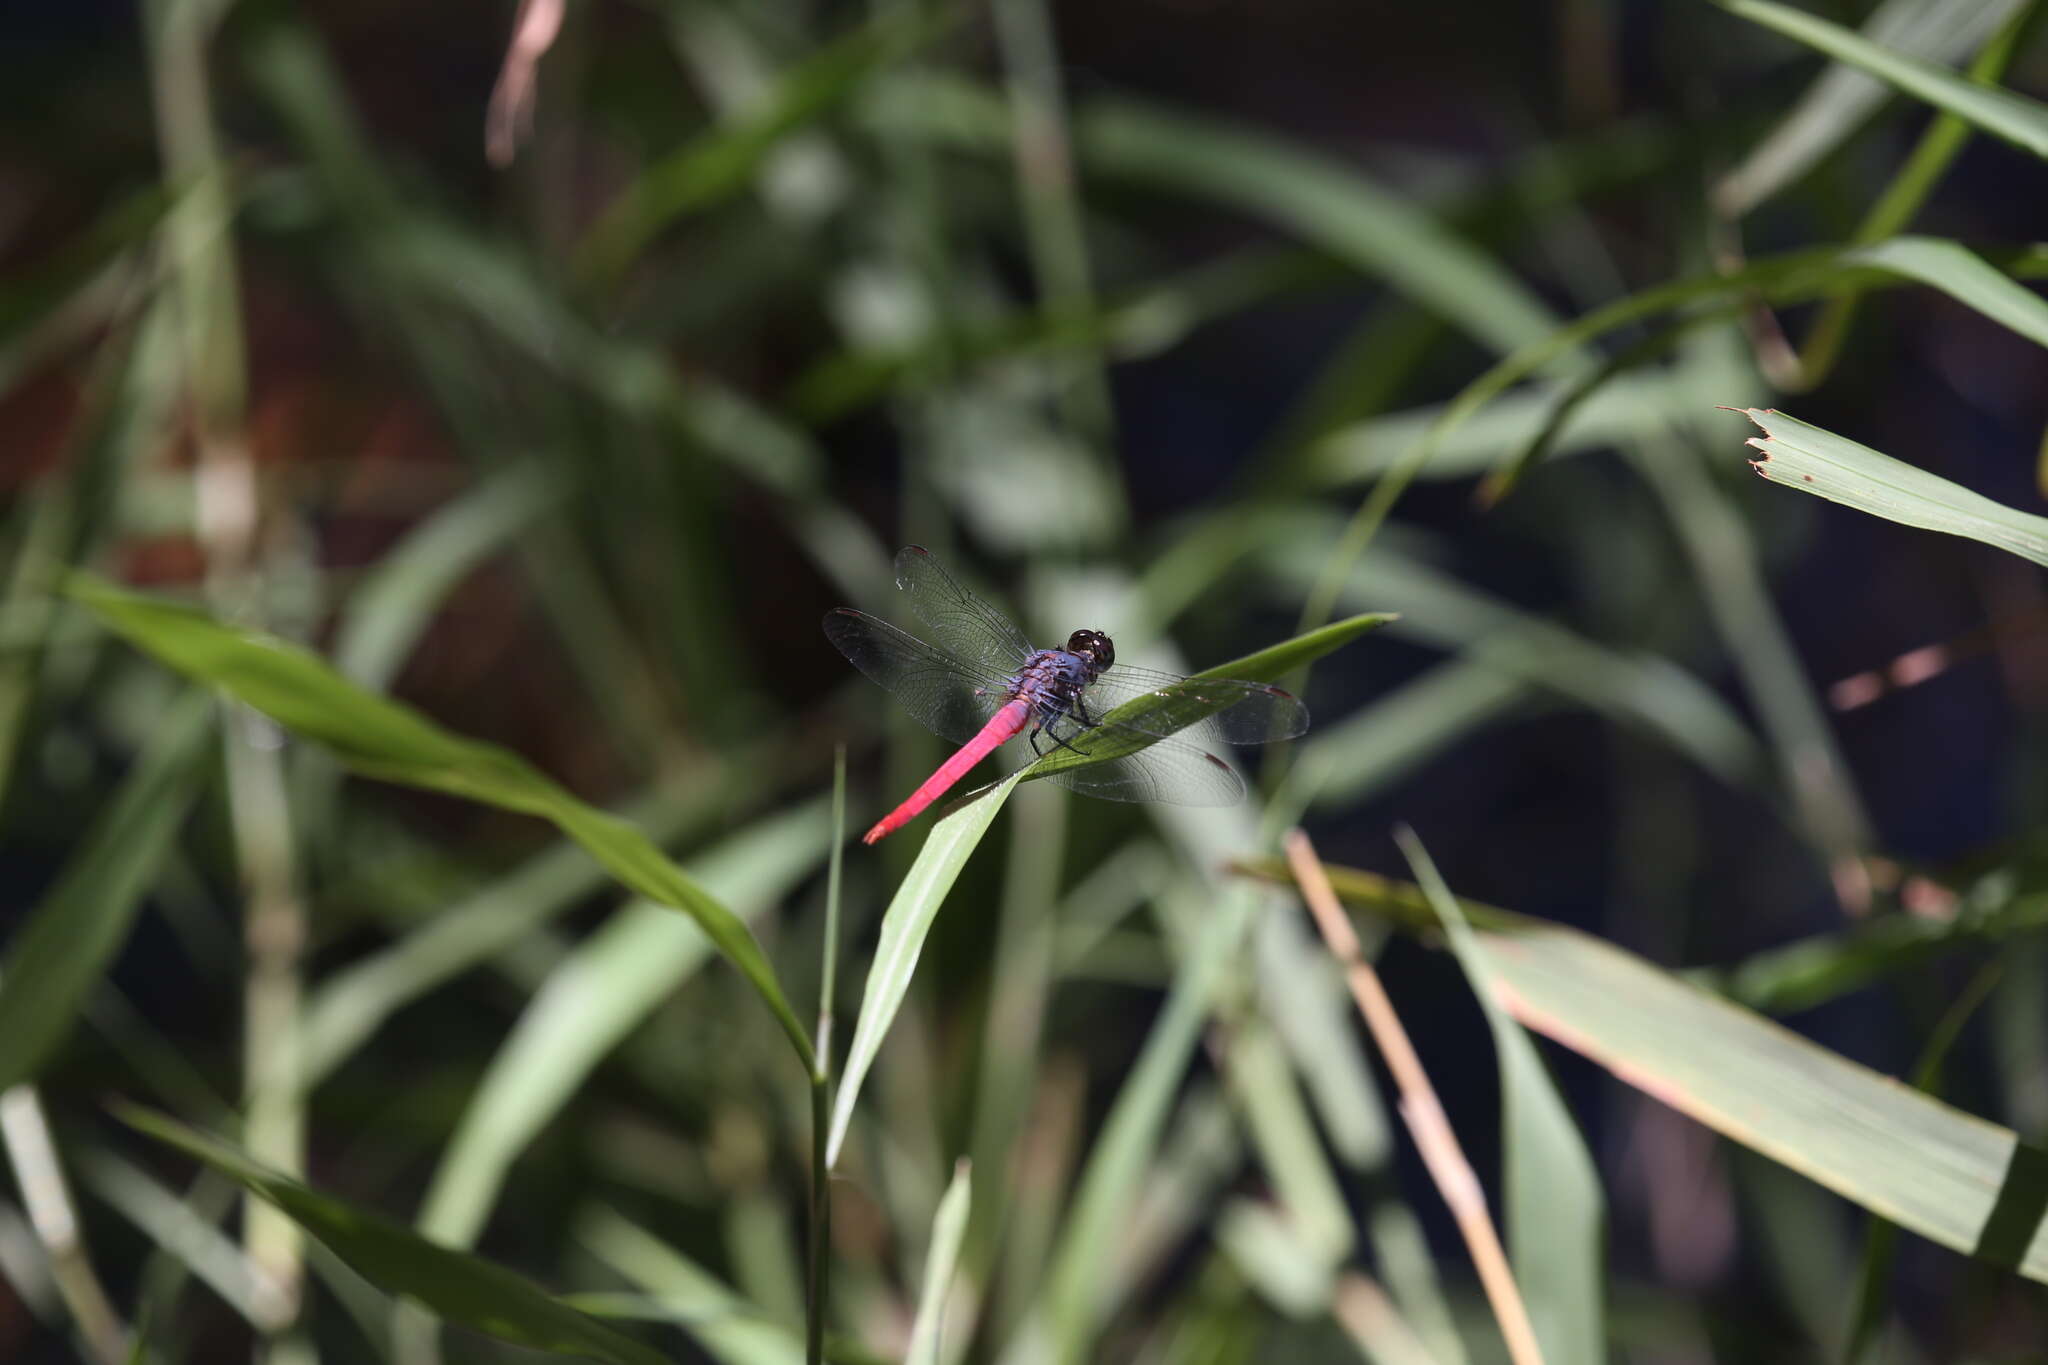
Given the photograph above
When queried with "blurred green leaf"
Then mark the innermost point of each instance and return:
(398, 596)
(1407, 726)
(1802, 456)
(904, 927)
(1331, 205)
(1630, 685)
(393, 742)
(464, 1289)
(2000, 112)
(722, 161)
(1951, 1177)
(1555, 1208)
(1180, 707)
(1079, 1290)
(1873, 1301)
(949, 1227)
(351, 1003)
(1964, 276)
(1842, 97)
(726, 1325)
(591, 1003)
(64, 947)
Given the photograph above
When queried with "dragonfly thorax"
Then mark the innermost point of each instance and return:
(1052, 680)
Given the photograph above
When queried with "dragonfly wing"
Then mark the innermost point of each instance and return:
(958, 621)
(1165, 770)
(948, 696)
(1202, 710)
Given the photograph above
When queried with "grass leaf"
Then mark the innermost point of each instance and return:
(390, 741)
(1806, 457)
(904, 927)
(461, 1288)
(1842, 98)
(2002, 113)
(64, 947)
(1554, 1203)
(949, 1227)
(1949, 1176)
(1275, 661)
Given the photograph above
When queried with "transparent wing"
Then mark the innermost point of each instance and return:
(959, 622)
(1205, 711)
(1165, 770)
(948, 696)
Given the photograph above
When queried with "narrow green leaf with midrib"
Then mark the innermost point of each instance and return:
(388, 740)
(463, 1289)
(1179, 707)
(2002, 113)
(1813, 460)
(904, 927)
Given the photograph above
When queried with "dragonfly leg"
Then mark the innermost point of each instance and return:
(1059, 741)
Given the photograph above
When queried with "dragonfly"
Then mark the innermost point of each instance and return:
(978, 682)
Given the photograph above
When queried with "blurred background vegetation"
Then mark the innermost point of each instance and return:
(553, 368)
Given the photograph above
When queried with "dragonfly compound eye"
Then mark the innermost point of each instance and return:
(1092, 644)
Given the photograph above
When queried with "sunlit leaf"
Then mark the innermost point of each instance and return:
(1555, 1208)
(1181, 707)
(1949, 1176)
(1803, 456)
(904, 927)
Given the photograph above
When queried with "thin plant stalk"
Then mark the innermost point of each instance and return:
(206, 295)
(819, 1210)
(1052, 216)
(25, 1131)
(1420, 1109)
(1371, 1320)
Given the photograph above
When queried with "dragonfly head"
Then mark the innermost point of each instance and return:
(1093, 646)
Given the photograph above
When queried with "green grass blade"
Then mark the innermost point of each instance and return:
(1632, 686)
(390, 741)
(2002, 113)
(904, 927)
(1806, 457)
(723, 161)
(1555, 1208)
(1078, 1285)
(729, 1328)
(1965, 277)
(1842, 97)
(396, 599)
(461, 1288)
(589, 1005)
(949, 1228)
(353, 1002)
(1407, 726)
(1323, 202)
(1873, 1301)
(1793, 277)
(1949, 1176)
(1894, 209)
(64, 947)
(1185, 707)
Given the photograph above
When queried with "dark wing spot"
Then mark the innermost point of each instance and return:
(1216, 762)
